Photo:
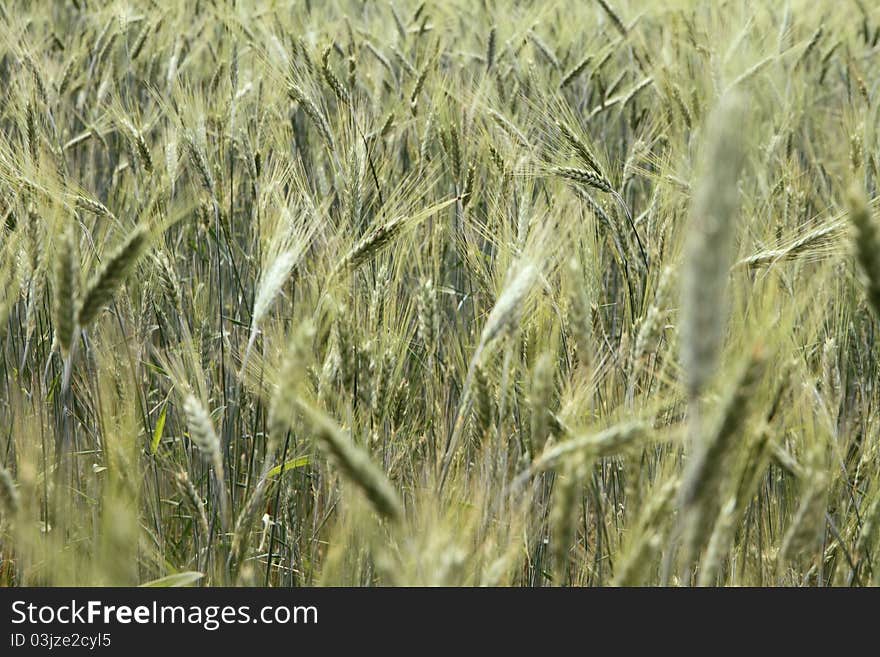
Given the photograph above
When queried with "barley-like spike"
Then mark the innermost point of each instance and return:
(544, 49)
(382, 373)
(143, 150)
(498, 160)
(330, 77)
(64, 295)
(607, 442)
(484, 405)
(410, 69)
(427, 314)
(111, 275)
(200, 161)
(651, 327)
(31, 131)
(354, 463)
(141, 39)
(195, 502)
(169, 281)
(682, 106)
(354, 190)
(303, 49)
(387, 125)
(573, 74)
(613, 16)
(107, 47)
(352, 73)
(867, 246)
(455, 151)
(540, 399)
(856, 152)
(270, 283)
(425, 143)
(584, 177)
(381, 58)
(38, 81)
(202, 433)
(371, 243)
(468, 191)
(398, 22)
(245, 520)
(831, 380)
(417, 89)
(311, 109)
(580, 148)
(378, 296)
(580, 317)
(33, 242)
(172, 160)
(505, 124)
(330, 369)
(490, 47)
(811, 44)
(66, 75)
(348, 350)
(799, 246)
(505, 312)
(91, 205)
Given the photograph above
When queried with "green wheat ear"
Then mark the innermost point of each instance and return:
(64, 299)
(354, 463)
(111, 275)
(867, 245)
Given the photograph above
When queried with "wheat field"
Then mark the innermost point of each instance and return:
(490, 293)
